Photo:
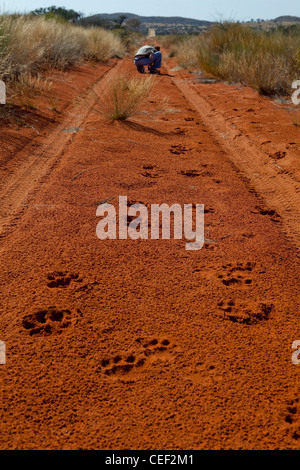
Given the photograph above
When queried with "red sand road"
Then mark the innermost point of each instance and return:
(123, 344)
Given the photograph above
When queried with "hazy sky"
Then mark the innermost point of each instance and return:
(198, 9)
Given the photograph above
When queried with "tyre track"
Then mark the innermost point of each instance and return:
(278, 188)
(38, 163)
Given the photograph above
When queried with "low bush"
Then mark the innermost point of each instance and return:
(124, 96)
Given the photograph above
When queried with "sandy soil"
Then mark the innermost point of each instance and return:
(123, 344)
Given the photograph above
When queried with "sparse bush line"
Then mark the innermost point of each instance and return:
(268, 62)
(31, 45)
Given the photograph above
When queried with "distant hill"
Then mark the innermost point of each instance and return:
(161, 24)
(288, 23)
(177, 24)
(287, 19)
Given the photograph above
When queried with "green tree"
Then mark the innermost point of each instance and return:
(118, 22)
(68, 15)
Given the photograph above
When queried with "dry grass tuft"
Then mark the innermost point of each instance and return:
(124, 97)
(32, 84)
(101, 45)
(186, 53)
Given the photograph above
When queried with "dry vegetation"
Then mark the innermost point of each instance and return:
(266, 61)
(31, 45)
(124, 96)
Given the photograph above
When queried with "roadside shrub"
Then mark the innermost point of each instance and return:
(100, 44)
(32, 44)
(266, 61)
(186, 53)
(124, 96)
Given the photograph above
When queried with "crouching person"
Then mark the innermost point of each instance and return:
(148, 56)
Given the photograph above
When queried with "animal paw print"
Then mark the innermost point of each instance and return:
(148, 174)
(131, 218)
(179, 131)
(190, 173)
(278, 155)
(237, 275)
(179, 149)
(48, 321)
(158, 350)
(245, 314)
(205, 374)
(62, 279)
(151, 171)
(122, 364)
(292, 417)
(148, 167)
(131, 202)
(265, 211)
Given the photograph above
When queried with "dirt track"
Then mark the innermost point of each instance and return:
(123, 344)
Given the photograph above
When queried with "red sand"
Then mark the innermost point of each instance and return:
(123, 344)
